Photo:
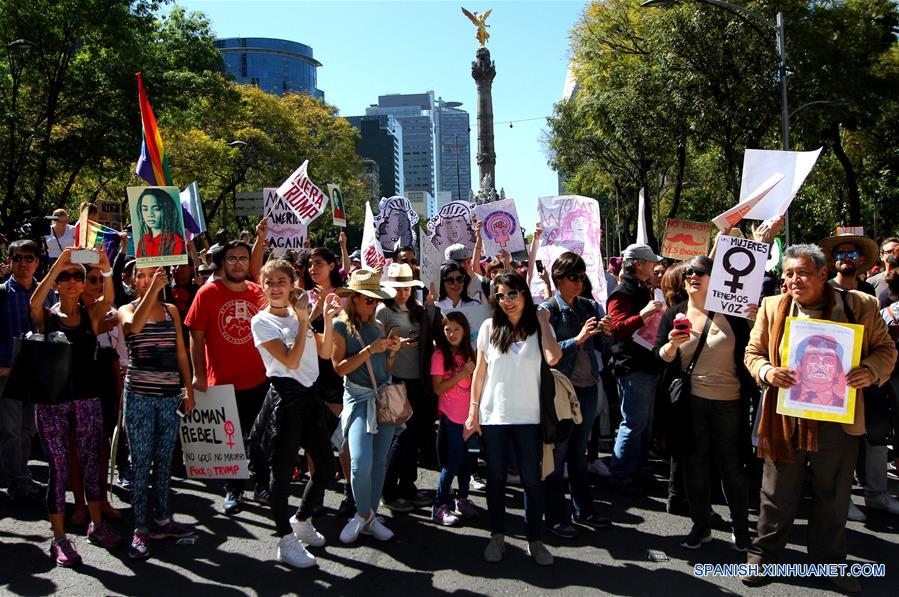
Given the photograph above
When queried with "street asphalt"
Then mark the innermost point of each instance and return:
(235, 555)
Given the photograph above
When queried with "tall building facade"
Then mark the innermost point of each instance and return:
(381, 140)
(415, 113)
(453, 156)
(276, 66)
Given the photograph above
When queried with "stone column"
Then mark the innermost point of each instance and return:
(483, 71)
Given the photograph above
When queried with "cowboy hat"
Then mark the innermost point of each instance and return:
(866, 245)
(399, 275)
(368, 283)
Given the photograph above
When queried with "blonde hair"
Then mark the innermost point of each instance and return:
(278, 265)
(351, 318)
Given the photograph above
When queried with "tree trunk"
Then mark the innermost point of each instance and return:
(853, 196)
(678, 177)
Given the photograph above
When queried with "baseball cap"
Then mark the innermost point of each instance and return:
(457, 252)
(640, 251)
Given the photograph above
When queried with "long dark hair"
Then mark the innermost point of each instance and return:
(412, 305)
(504, 333)
(169, 225)
(449, 351)
(448, 268)
(329, 257)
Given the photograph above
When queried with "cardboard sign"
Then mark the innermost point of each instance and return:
(452, 225)
(732, 216)
(157, 226)
(501, 229)
(737, 274)
(109, 213)
(303, 197)
(372, 253)
(822, 353)
(685, 239)
(338, 208)
(850, 230)
(396, 223)
(285, 230)
(211, 437)
(760, 164)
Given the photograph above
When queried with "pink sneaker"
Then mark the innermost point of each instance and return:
(466, 509)
(102, 535)
(442, 515)
(64, 553)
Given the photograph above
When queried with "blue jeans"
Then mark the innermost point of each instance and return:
(572, 452)
(527, 444)
(637, 393)
(368, 457)
(455, 461)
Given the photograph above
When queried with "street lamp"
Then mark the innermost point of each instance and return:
(781, 50)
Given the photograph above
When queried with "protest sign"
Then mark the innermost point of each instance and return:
(646, 335)
(109, 213)
(822, 353)
(452, 225)
(685, 239)
(211, 437)
(396, 223)
(338, 209)
(642, 236)
(737, 274)
(571, 223)
(285, 230)
(429, 260)
(732, 216)
(501, 228)
(850, 230)
(303, 197)
(157, 225)
(372, 253)
(759, 165)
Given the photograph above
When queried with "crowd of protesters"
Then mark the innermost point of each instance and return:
(310, 340)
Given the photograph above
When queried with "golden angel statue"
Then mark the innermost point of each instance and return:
(480, 21)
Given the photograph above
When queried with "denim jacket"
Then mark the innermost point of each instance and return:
(567, 324)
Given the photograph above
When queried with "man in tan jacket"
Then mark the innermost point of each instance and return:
(789, 443)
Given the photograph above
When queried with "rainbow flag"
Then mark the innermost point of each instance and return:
(153, 163)
(100, 236)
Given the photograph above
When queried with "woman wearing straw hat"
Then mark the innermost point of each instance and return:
(359, 341)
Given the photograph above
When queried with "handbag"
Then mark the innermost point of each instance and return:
(681, 386)
(41, 372)
(391, 403)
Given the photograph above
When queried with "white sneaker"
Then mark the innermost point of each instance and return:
(375, 527)
(306, 533)
(292, 553)
(883, 502)
(598, 467)
(855, 513)
(351, 531)
(477, 484)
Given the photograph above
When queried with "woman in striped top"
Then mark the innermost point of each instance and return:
(158, 375)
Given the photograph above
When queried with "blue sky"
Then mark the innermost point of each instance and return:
(375, 48)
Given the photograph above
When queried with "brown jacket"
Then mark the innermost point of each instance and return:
(878, 350)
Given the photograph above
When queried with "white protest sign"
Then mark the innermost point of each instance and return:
(571, 223)
(306, 199)
(285, 230)
(737, 275)
(372, 253)
(501, 229)
(732, 216)
(642, 236)
(338, 207)
(396, 223)
(452, 225)
(760, 164)
(429, 260)
(211, 437)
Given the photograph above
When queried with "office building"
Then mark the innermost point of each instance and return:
(453, 156)
(415, 113)
(276, 66)
(381, 140)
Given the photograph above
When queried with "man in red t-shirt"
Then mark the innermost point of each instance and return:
(223, 352)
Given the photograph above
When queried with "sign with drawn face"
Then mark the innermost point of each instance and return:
(737, 275)
(211, 438)
(822, 353)
(452, 225)
(157, 226)
(338, 208)
(500, 230)
(396, 223)
(571, 223)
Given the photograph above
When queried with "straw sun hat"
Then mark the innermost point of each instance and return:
(367, 283)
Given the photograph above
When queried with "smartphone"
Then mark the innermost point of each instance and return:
(539, 263)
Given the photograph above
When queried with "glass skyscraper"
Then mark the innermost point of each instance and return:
(276, 66)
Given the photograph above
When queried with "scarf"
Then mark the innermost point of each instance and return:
(776, 430)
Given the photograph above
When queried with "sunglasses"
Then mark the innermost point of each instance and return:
(66, 276)
(25, 258)
(93, 279)
(576, 277)
(369, 300)
(454, 279)
(512, 295)
(842, 255)
(695, 272)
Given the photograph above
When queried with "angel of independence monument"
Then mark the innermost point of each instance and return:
(483, 71)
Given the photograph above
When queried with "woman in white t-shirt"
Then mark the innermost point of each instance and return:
(505, 406)
(292, 415)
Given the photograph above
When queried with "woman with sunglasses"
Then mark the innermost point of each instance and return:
(505, 406)
(360, 352)
(453, 296)
(576, 323)
(714, 419)
(82, 414)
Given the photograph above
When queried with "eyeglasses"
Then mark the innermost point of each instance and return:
(370, 300)
(232, 259)
(512, 296)
(25, 258)
(695, 272)
(576, 277)
(454, 279)
(66, 276)
(842, 255)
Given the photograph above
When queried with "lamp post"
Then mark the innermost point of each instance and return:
(781, 50)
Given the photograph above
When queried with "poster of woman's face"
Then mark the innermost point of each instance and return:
(452, 225)
(157, 226)
(396, 223)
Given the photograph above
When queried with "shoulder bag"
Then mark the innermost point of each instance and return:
(391, 402)
(681, 386)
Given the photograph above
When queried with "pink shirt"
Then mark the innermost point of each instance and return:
(454, 403)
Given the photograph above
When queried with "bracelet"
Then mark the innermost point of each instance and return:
(107, 273)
